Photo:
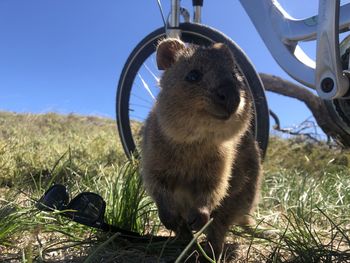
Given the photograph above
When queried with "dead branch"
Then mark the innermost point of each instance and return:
(314, 103)
(298, 131)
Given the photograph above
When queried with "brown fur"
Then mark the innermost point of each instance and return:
(199, 159)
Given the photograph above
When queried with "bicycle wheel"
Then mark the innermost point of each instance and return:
(137, 87)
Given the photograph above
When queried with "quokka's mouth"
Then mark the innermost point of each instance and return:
(220, 113)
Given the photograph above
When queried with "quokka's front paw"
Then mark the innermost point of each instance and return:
(198, 217)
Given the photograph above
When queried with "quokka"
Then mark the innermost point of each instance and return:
(199, 158)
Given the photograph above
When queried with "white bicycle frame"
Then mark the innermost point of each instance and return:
(281, 34)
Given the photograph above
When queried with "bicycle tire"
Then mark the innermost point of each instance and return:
(197, 34)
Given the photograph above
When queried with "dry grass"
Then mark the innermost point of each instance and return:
(303, 215)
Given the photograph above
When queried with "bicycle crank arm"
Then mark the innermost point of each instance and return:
(331, 82)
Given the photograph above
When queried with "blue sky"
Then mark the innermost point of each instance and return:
(66, 55)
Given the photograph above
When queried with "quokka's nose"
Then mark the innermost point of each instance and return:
(222, 95)
(227, 97)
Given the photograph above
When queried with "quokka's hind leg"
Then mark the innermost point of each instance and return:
(216, 235)
(233, 210)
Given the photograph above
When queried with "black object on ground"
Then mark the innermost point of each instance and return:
(86, 208)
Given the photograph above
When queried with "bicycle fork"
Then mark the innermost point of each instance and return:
(173, 23)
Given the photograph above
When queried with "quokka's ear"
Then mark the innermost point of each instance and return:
(223, 48)
(166, 52)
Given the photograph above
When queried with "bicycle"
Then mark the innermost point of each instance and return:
(329, 75)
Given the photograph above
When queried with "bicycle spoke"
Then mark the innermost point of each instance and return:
(151, 72)
(140, 106)
(150, 103)
(146, 87)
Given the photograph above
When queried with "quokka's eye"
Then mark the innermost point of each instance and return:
(194, 76)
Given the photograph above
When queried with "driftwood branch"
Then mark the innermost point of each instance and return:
(313, 102)
(299, 131)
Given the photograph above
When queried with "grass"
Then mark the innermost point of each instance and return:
(303, 215)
